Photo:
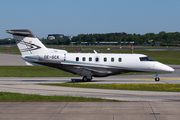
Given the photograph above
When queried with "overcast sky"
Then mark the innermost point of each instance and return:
(73, 17)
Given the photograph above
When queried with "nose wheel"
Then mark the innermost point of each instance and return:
(157, 79)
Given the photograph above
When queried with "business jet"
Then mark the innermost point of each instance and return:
(87, 65)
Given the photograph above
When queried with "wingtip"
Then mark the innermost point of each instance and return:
(9, 31)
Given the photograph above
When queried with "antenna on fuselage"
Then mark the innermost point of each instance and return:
(95, 51)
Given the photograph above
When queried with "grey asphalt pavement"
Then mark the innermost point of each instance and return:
(11, 60)
(89, 111)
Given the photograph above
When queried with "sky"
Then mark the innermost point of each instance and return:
(73, 17)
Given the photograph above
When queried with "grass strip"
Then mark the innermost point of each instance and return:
(140, 87)
(32, 71)
(17, 97)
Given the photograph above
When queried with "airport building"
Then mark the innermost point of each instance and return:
(54, 36)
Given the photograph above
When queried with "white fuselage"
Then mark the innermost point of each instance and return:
(122, 61)
(90, 64)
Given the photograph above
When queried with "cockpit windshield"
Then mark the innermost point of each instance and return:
(146, 59)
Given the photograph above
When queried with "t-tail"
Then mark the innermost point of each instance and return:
(29, 45)
(27, 42)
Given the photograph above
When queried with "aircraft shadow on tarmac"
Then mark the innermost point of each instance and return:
(79, 81)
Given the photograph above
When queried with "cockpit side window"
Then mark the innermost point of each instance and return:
(146, 59)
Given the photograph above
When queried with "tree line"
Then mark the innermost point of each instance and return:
(58, 41)
(161, 39)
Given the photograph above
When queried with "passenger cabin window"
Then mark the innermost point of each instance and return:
(112, 59)
(90, 58)
(83, 59)
(119, 59)
(97, 59)
(77, 58)
(146, 59)
(105, 59)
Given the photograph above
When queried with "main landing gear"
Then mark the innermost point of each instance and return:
(157, 79)
(87, 78)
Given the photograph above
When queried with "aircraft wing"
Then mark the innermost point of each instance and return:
(87, 69)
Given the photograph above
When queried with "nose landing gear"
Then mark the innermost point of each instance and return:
(157, 79)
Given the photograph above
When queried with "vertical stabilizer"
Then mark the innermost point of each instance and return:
(27, 42)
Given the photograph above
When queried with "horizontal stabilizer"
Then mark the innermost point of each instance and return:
(24, 33)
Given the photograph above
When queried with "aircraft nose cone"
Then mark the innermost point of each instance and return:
(165, 68)
(170, 69)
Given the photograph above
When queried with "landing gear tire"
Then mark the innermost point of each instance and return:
(157, 79)
(85, 78)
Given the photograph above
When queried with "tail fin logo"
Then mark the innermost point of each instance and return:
(27, 42)
(29, 46)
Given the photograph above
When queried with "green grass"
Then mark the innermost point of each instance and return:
(140, 87)
(32, 71)
(14, 49)
(17, 97)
